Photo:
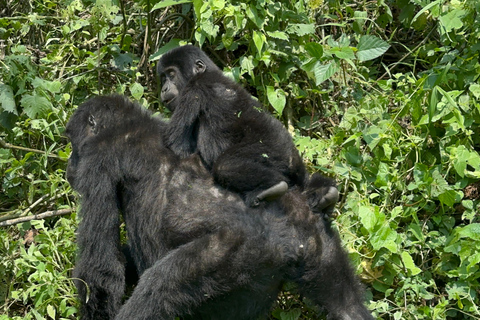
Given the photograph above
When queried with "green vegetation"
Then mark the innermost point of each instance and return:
(383, 95)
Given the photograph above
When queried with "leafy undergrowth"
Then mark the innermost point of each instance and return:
(383, 95)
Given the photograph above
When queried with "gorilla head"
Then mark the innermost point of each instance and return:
(177, 67)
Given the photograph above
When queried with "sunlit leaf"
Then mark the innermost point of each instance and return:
(371, 47)
(276, 98)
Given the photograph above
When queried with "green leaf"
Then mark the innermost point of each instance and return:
(343, 52)
(461, 157)
(409, 264)
(372, 136)
(367, 217)
(301, 29)
(314, 49)
(425, 9)
(383, 175)
(51, 311)
(385, 237)
(360, 18)
(453, 19)
(259, 39)
(35, 105)
(7, 100)
(475, 90)
(318, 71)
(276, 98)
(371, 47)
(167, 3)
(471, 231)
(51, 86)
(278, 35)
(136, 89)
(448, 197)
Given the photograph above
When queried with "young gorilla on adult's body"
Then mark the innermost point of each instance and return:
(247, 150)
(199, 252)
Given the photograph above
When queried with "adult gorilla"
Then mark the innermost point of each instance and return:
(247, 150)
(200, 252)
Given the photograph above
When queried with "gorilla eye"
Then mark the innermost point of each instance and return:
(171, 73)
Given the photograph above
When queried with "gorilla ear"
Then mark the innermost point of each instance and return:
(199, 67)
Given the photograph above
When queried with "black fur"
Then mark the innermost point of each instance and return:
(199, 251)
(247, 150)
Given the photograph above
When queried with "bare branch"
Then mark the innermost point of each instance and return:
(7, 145)
(39, 216)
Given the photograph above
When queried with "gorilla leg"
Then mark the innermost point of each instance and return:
(248, 171)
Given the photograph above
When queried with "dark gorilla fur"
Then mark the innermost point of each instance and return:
(199, 251)
(247, 150)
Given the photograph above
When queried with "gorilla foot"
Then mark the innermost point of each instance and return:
(269, 194)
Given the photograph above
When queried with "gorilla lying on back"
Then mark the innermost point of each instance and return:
(247, 150)
(199, 251)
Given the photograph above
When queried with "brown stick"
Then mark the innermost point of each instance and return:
(7, 145)
(39, 216)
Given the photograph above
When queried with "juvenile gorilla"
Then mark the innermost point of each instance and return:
(199, 251)
(247, 150)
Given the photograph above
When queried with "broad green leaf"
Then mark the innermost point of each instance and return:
(385, 237)
(475, 90)
(372, 136)
(314, 49)
(343, 53)
(35, 105)
(453, 19)
(167, 3)
(409, 263)
(471, 231)
(51, 86)
(301, 29)
(318, 71)
(276, 98)
(448, 197)
(136, 89)
(383, 175)
(371, 47)
(463, 157)
(7, 100)
(252, 14)
(367, 217)
(278, 35)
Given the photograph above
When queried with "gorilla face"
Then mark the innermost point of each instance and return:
(176, 69)
(171, 80)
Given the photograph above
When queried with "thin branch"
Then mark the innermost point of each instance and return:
(7, 145)
(39, 216)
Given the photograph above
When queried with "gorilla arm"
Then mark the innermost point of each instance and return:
(100, 270)
(182, 130)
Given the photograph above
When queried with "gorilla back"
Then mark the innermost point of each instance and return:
(199, 252)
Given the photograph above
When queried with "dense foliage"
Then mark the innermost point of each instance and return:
(383, 95)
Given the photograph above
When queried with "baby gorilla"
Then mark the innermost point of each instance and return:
(247, 150)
